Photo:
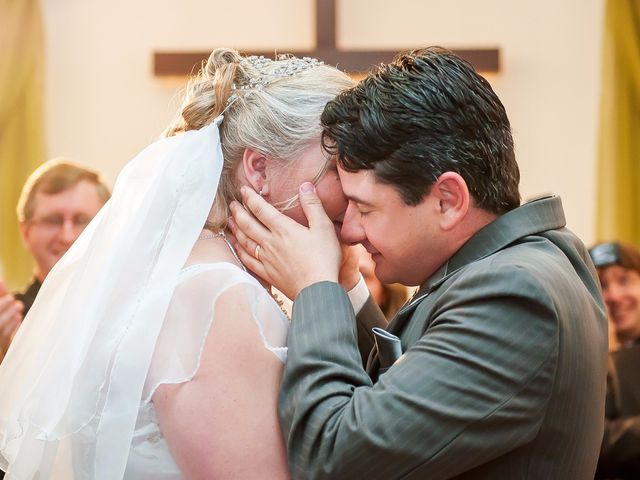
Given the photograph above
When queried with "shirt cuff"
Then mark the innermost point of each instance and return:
(358, 295)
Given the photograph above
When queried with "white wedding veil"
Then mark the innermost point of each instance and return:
(73, 378)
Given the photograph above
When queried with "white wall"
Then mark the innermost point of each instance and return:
(104, 104)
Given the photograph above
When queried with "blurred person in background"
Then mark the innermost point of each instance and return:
(618, 268)
(57, 202)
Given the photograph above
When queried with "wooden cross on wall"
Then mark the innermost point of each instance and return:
(185, 63)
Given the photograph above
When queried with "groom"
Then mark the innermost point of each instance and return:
(502, 372)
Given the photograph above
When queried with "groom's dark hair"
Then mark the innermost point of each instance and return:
(426, 113)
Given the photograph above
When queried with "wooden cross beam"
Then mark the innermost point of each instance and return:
(185, 63)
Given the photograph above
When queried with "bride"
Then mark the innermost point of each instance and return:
(150, 352)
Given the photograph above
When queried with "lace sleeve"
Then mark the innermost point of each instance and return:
(176, 358)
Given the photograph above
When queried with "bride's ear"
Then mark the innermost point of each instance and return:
(254, 165)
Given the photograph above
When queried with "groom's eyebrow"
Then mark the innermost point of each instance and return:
(358, 200)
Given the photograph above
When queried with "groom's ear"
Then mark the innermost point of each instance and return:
(254, 165)
(453, 199)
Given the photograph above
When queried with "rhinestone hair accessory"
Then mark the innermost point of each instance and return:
(262, 71)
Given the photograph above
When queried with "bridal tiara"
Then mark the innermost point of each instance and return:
(262, 71)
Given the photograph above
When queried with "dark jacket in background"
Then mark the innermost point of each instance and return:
(620, 454)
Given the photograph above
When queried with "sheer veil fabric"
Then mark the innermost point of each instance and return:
(73, 379)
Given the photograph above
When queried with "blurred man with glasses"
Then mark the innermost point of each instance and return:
(618, 268)
(57, 202)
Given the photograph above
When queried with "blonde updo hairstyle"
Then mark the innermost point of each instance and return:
(279, 119)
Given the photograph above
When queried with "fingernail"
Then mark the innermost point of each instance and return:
(243, 190)
(307, 187)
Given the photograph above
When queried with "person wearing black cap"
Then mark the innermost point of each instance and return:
(618, 268)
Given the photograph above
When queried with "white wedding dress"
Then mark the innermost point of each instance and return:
(119, 315)
(177, 355)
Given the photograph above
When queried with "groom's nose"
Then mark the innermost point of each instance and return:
(352, 231)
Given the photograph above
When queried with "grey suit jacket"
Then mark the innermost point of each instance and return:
(503, 374)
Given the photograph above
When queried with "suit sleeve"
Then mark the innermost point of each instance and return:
(485, 364)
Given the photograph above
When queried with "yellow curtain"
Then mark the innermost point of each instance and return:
(618, 179)
(21, 123)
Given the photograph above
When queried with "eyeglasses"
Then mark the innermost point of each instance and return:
(56, 222)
